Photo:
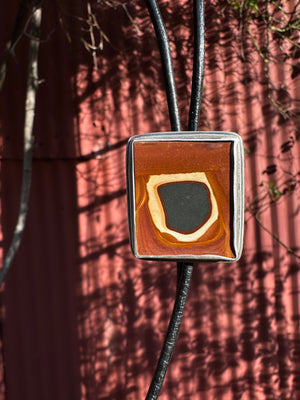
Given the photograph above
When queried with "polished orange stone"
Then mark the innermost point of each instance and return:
(161, 163)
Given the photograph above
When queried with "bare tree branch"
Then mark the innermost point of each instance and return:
(23, 14)
(32, 86)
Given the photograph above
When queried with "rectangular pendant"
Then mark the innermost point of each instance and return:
(185, 193)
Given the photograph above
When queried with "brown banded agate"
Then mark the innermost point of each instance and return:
(174, 180)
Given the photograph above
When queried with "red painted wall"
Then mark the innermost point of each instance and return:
(80, 317)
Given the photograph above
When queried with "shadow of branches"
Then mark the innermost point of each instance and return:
(239, 338)
(240, 335)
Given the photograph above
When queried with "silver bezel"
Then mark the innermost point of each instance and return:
(237, 202)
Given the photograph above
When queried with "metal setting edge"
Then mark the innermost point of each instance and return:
(238, 186)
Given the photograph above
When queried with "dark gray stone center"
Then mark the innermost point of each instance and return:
(186, 204)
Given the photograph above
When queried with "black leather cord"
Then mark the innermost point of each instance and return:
(198, 65)
(165, 53)
(172, 333)
(184, 270)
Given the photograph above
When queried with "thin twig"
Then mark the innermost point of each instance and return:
(15, 36)
(125, 8)
(92, 24)
(273, 235)
(32, 86)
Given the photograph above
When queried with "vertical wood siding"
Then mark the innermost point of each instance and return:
(80, 317)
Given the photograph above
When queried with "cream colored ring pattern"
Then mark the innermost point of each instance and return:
(157, 211)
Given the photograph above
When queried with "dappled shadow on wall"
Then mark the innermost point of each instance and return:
(239, 336)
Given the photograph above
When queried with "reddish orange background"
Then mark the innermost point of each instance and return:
(80, 317)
